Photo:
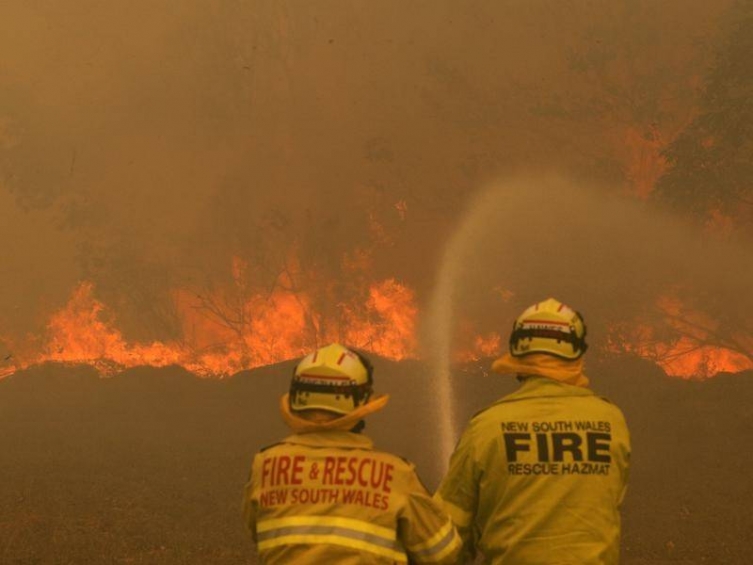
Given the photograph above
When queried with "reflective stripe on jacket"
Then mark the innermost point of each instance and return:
(538, 478)
(328, 497)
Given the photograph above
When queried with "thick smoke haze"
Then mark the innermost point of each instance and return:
(145, 144)
(160, 158)
(526, 238)
(610, 256)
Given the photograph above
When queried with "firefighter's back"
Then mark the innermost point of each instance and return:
(553, 464)
(330, 498)
(324, 495)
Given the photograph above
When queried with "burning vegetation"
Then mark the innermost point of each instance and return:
(222, 186)
(285, 213)
(222, 335)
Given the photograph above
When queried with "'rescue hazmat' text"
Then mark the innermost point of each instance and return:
(363, 481)
(561, 447)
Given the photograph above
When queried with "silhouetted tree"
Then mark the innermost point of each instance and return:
(628, 89)
(712, 160)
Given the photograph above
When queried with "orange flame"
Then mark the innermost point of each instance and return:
(686, 359)
(389, 327)
(684, 350)
(477, 346)
(81, 332)
(262, 330)
(259, 328)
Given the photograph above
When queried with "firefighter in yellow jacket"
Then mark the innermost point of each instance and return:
(324, 495)
(538, 477)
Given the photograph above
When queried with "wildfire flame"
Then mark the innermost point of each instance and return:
(481, 347)
(683, 346)
(268, 328)
(83, 331)
(275, 328)
(682, 357)
(686, 359)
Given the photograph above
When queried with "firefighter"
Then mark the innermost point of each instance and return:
(324, 494)
(539, 476)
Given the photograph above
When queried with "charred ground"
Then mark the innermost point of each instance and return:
(148, 466)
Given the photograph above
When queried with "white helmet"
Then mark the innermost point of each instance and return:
(549, 327)
(332, 378)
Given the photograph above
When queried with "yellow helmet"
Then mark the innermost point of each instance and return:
(549, 327)
(332, 378)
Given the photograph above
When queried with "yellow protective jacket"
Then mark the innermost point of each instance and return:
(539, 476)
(329, 497)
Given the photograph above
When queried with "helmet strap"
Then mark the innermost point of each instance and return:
(519, 333)
(359, 393)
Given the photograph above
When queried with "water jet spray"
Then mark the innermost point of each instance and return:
(611, 255)
(441, 315)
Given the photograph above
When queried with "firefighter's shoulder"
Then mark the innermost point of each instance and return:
(393, 458)
(270, 446)
(606, 403)
(402, 465)
(491, 411)
(611, 407)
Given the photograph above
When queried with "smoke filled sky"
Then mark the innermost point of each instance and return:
(611, 256)
(143, 144)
